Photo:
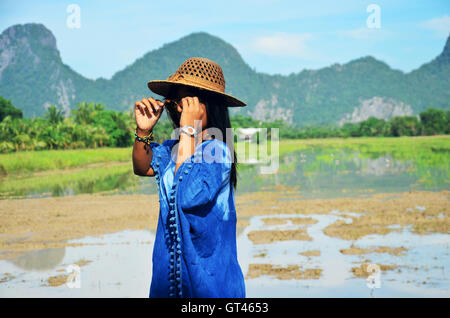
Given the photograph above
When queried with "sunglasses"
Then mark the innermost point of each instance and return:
(172, 104)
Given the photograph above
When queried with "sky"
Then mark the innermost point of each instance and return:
(274, 37)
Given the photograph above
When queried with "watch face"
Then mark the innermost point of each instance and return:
(189, 130)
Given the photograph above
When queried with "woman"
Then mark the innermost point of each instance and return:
(194, 253)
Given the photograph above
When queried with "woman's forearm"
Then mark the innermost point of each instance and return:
(142, 156)
(186, 149)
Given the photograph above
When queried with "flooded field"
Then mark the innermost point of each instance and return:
(276, 269)
(325, 271)
(287, 247)
(316, 169)
(332, 222)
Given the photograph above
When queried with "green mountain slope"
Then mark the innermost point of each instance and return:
(33, 76)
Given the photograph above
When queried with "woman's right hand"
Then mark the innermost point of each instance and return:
(147, 112)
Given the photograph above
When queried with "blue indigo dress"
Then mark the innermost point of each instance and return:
(194, 254)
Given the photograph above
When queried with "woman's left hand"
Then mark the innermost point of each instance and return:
(192, 110)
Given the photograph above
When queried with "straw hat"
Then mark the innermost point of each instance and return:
(199, 73)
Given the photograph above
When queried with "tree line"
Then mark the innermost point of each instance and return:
(429, 122)
(91, 125)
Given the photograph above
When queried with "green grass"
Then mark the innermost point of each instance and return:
(436, 150)
(32, 161)
(377, 145)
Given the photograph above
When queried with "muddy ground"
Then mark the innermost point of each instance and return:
(33, 224)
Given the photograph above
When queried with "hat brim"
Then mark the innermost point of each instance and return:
(167, 89)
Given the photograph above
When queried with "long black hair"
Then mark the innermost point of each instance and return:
(217, 117)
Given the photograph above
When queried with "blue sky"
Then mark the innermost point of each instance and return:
(275, 37)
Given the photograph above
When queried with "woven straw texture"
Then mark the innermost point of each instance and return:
(204, 72)
(200, 73)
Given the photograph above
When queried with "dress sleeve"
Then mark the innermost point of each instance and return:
(161, 155)
(204, 174)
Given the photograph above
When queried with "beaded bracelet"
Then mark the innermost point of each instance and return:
(146, 139)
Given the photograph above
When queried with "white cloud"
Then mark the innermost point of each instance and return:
(283, 44)
(440, 25)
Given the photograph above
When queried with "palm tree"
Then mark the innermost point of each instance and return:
(54, 115)
(123, 128)
(22, 141)
(85, 112)
(5, 128)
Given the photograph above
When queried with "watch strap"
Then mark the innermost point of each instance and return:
(189, 130)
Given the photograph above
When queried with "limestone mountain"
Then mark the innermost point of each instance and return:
(33, 76)
(32, 73)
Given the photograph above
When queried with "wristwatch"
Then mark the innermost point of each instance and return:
(189, 130)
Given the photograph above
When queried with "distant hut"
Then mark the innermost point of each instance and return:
(248, 134)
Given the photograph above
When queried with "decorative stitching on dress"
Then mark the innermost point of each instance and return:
(173, 233)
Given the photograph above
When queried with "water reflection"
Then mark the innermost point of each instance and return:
(110, 180)
(322, 173)
(117, 265)
(315, 172)
(40, 260)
